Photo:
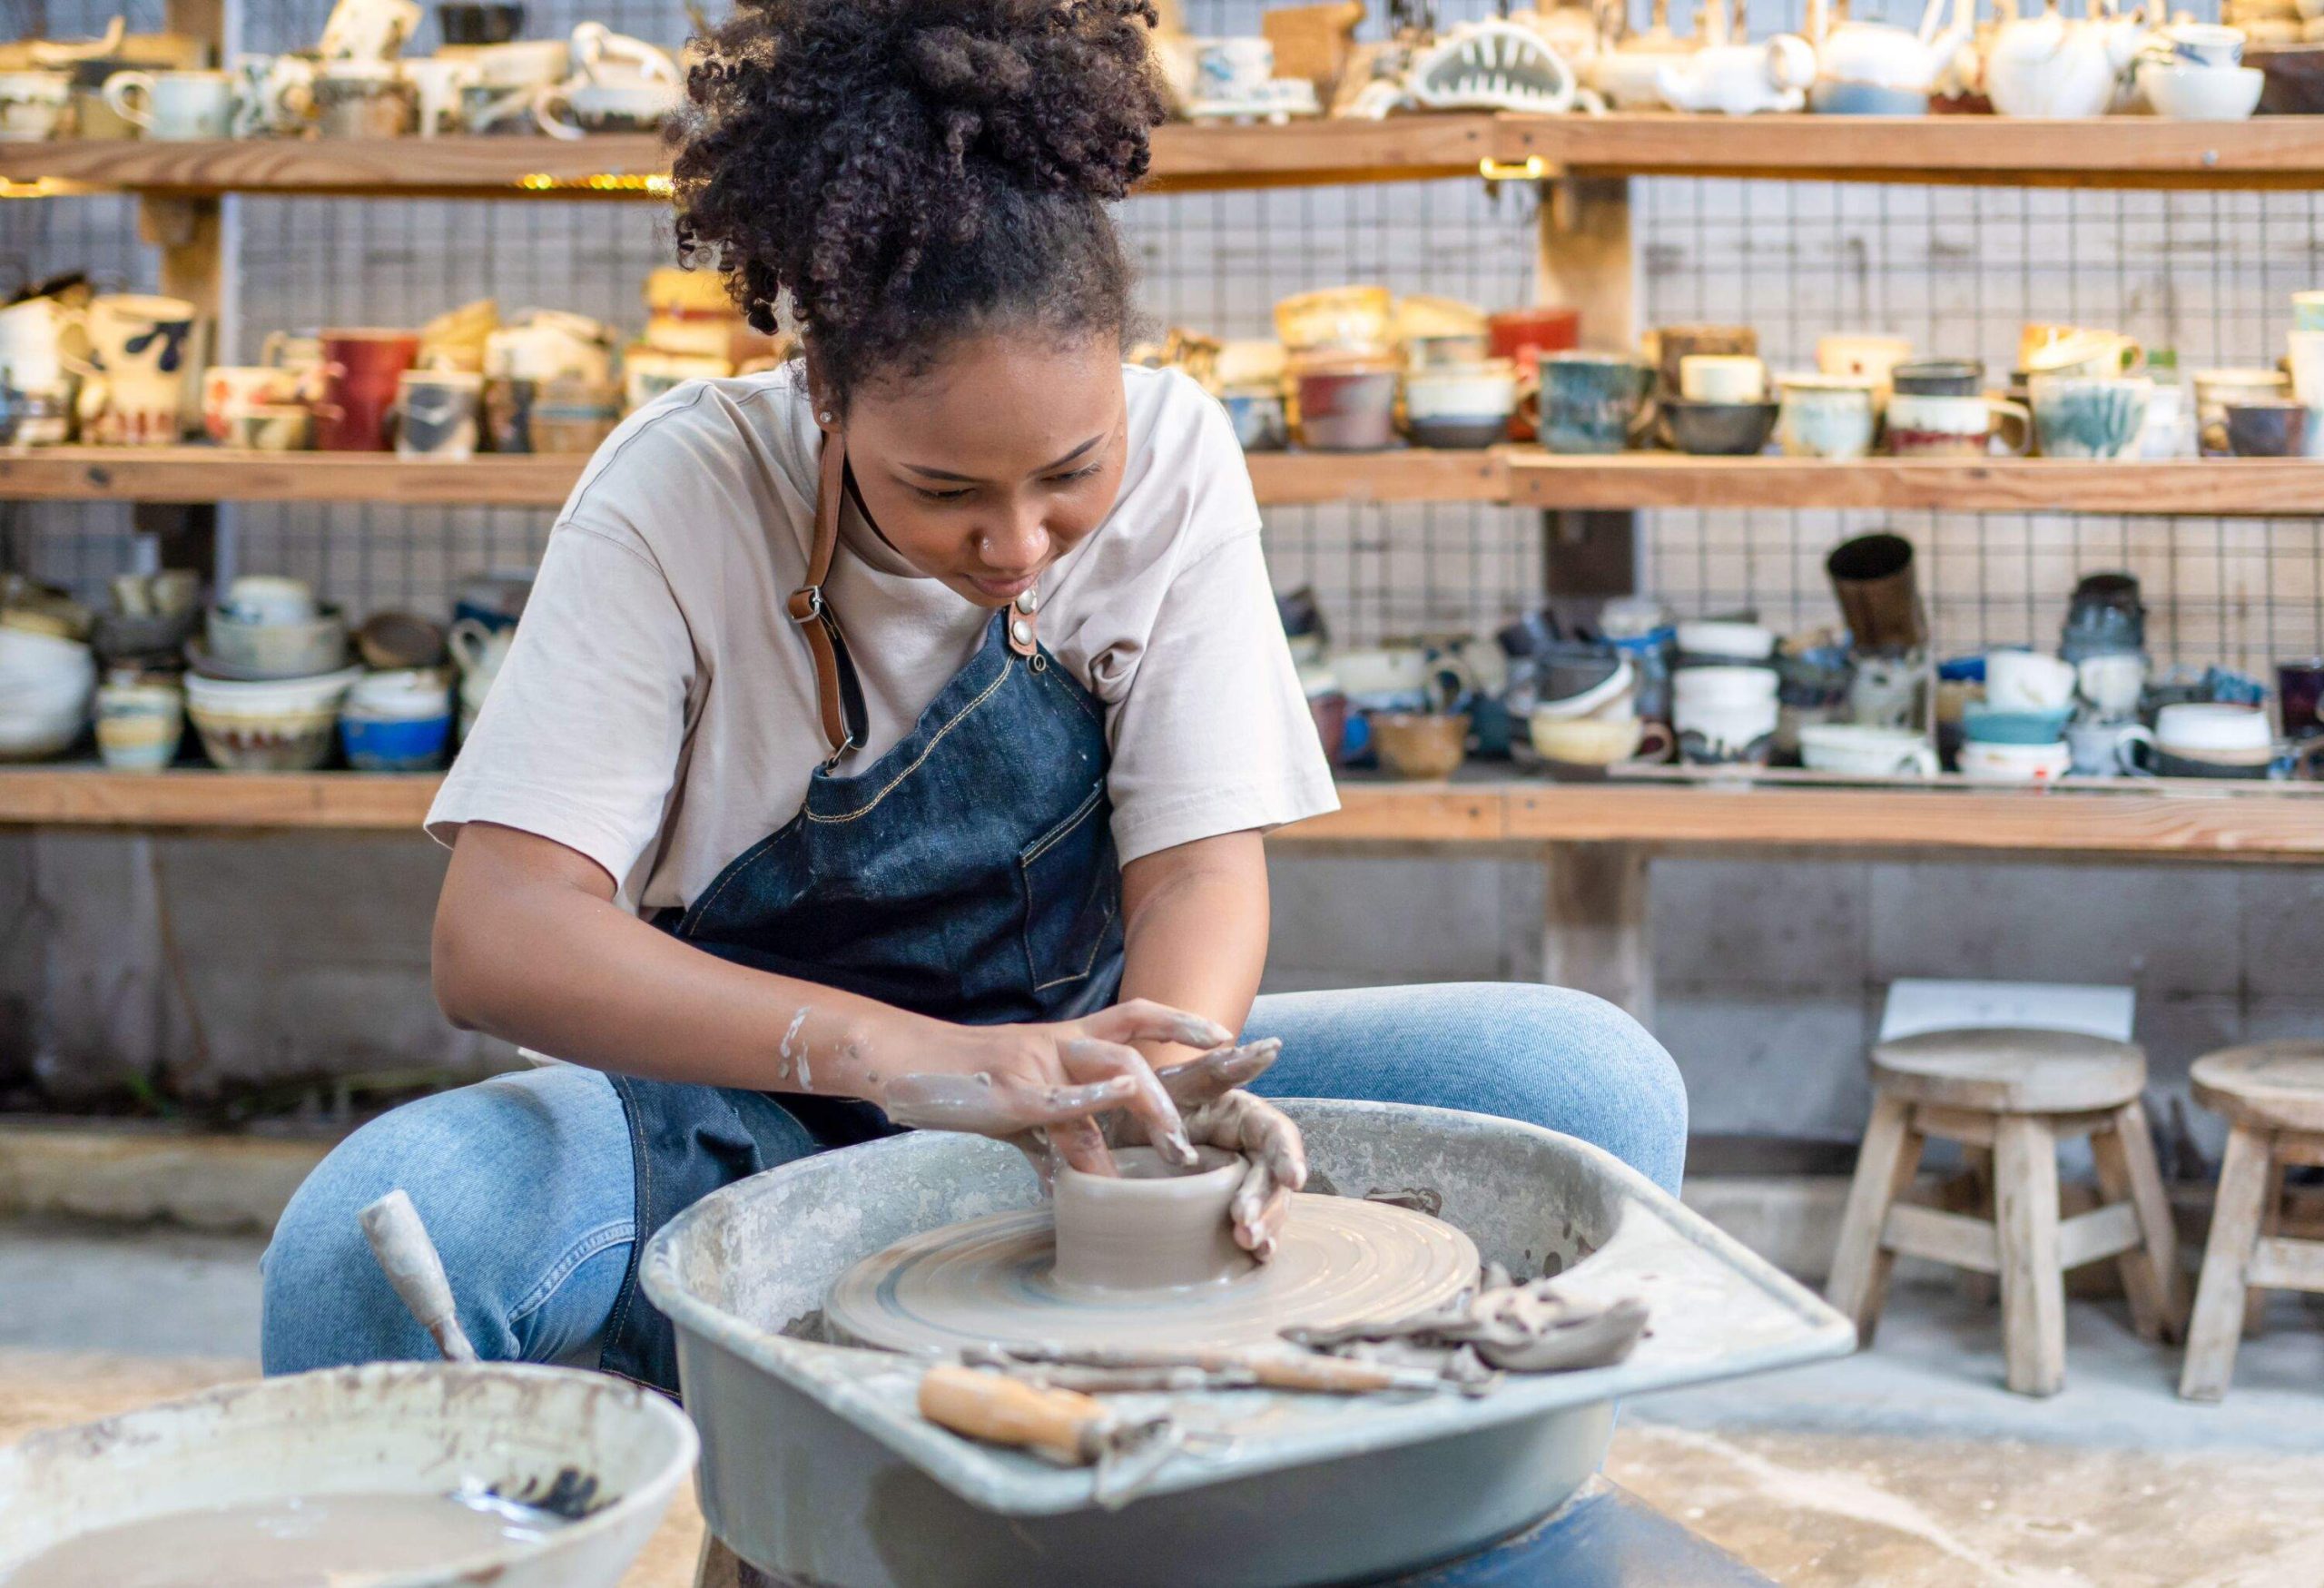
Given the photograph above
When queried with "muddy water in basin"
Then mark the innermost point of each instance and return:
(321, 1541)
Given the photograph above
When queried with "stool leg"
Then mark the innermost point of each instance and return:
(2271, 1220)
(1978, 1288)
(2033, 1286)
(2217, 1324)
(2128, 1173)
(1892, 1152)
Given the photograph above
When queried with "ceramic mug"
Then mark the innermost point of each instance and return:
(2089, 417)
(1860, 750)
(1722, 377)
(441, 84)
(31, 343)
(1593, 741)
(2028, 681)
(1590, 402)
(1826, 416)
(364, 100)
(140, 348)
(32, 106)
(175, 105)
(229, 389)
(1459, 405)
(2272, 429)
(1232, 69)
(1985, 763)
(1669, 347)
(1956, 426)
(2306, 356)
(2073, 349)
(138, 725)
(274, 95)
(435, 414)
(2198, 45)
(2213, 730)
(362, 368)
(2216, 388)
(271, 427)
(647, 373)
(2108, 749)
(2308, 311)
(369, 30)
(2110, 684)
(1724, 715)
(2299, 693)
(269, 600)
(1873, 358)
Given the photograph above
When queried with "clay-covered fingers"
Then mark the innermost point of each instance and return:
(1089, 1058)
(1243, 1122)
(1141, 1020)
(979, 1106)
(1214, 1074)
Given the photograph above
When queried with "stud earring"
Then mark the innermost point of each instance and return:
(826, 416)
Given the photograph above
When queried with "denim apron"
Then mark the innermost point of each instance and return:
(968, 874)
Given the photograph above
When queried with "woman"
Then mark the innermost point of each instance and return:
(889, 739)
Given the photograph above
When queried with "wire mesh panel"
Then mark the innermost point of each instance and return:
(1957, 270)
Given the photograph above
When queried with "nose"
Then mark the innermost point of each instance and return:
(1015, 543)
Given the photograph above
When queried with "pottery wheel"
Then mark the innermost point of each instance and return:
(986, 1282)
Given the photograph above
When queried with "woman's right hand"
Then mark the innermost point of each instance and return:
(1041, 1087)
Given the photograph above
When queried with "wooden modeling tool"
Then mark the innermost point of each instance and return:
(1100, 1370)
(408, 1257)
(1063, 1426)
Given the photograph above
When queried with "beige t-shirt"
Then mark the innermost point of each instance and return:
(657, 709)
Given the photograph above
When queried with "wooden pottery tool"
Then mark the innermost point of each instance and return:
(408, 1257)
(1064, 1425)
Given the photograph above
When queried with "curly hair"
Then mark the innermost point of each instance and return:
(910, 172)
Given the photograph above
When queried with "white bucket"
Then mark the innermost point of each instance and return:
(611, 1451)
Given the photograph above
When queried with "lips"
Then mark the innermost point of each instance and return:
(1004, 589)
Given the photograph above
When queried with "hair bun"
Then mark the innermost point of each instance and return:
(831, 143)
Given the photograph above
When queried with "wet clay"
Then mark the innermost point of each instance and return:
(996, 1281)
(1157, 1227)
(321, 1541)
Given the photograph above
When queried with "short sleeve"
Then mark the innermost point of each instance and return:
(1213, 734)
(580, 736)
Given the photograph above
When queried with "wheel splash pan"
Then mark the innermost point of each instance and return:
(816, 1462)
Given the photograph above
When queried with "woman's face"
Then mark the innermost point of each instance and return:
(995, 462)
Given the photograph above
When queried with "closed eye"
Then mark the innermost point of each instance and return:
(929, 494)
(1077, 474)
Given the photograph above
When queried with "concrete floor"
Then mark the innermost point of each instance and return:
(1905, 1467)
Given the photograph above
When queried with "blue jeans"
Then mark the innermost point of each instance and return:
(525, 1179)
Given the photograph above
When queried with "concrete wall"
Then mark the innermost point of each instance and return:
(271, 959)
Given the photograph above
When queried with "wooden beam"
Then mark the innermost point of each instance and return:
(2102, 1232)
(1951, 1238)
(1596, 935)
(2239, 485)
(2280, 1263)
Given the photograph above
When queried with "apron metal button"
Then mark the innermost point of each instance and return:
(1022, 631)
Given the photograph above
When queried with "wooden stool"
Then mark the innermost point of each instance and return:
(2013, 1092)
(2271, 1095)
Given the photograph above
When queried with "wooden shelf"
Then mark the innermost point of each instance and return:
(205, 474)
(2099, 152)
(2154, 821)
(2223, 486)
(1518, 476)
(2110, 151)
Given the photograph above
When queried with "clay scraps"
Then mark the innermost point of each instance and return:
(1501, 1326)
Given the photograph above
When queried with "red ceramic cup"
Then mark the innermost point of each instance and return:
(1523, 336)
(361, 369)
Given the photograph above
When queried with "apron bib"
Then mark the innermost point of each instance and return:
(968, 874)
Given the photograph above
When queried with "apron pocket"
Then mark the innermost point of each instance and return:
(1072, 885)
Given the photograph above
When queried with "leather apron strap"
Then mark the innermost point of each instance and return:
(838, 694)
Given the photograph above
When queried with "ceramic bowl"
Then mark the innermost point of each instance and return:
(1938, 377)
(2187, 93)
(2273, 428)
(257, 651)
(396, 743)
(1347, 405)
(469, 22)
(37, 730)
(1584, 683)
(1418, 745)
(1460, 405)
(1720, 429)
(27, 658)
(285, 725)
(1834, 97)
(1862, 751)
(1987, 724)
(402, 696)
(1726, 640)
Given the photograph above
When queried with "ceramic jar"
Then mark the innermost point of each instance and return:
(1592, 402)
(35, 106)
(1827, 416)
(361, 371)
(175, 105)
(1459, 405)
(2089, 417)
(1347, 402)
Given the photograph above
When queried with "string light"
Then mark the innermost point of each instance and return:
(656, 186)
(1532, 168)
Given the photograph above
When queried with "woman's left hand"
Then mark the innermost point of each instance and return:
(1219, 1113)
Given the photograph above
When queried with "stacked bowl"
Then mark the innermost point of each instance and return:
(398, 720)
(45, 683)
(268, 680)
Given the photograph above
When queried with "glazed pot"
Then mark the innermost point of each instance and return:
(361, 372)
(1459, 405)
(1347, 404)
(1720, 429)
(1420, 745)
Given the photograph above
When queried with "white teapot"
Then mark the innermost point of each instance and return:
(1738, 79)
(2045, 65)
(1881, 56)
(1626, 68)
